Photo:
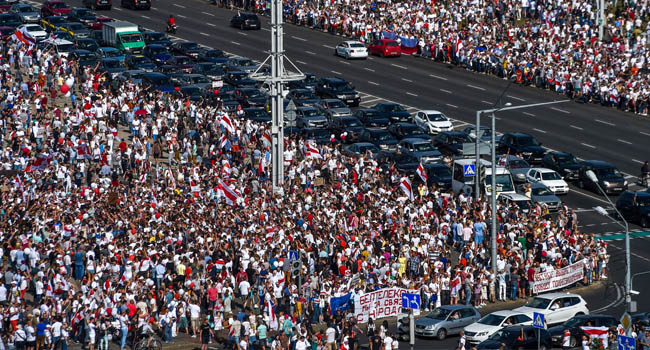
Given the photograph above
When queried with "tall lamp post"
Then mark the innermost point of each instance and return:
(628, 268)
(477, 192)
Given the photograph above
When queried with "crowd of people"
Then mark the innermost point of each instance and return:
(127, 210)
(548, 44)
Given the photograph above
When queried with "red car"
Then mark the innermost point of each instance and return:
(54, 8)
(385, 48)
(100, 22)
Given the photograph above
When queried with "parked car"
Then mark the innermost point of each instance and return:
(82, 15)
(489, 324)
(394, 112)
(635, 207)
(54, 8)
(517, 338)
(380, 138)
(351, 49)
(309, 82)
(610, 179)
(408, 130)
(371, 117)
(246, 20)
(517, 167)
(433, 121)
(319, 135)
(302, 97)
(86, 44)
(421, 149)
(347, 129)
(136, 4)
(509, 199)
(385, 48)
(446, 320)
(186, 48)
(359, 149)
(564, 163)
(98, 4)
(438, 175)
(158, 38)
(338, 88)
(26, 12)
(310, 117)
(556, 307)
(539, 193)
(332, 107)
(522, 144)
(574, 325)
(548, 177)
(450, 143)
(34, 30)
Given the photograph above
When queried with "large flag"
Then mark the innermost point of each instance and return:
(273, 319)
(597, 332)
(83, 152)
(340, 304)
(228, 193)
(266, 138)
(227, 124)
(405, 184)
(312, 151)
(422, 173)
(24, 37)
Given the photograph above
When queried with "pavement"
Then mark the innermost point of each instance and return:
(588, 131)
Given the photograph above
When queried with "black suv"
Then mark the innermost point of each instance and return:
(564, 163)
(609, 178)
(450, 143)
(574, 325)
(244, 20)
(518, 337)
(519, 143)
(338, 88)
(635, 207)
(350, 125)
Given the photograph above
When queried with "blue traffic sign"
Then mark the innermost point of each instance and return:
(626, 343)
(538, 320)
(293, 255)
(469, 170)
(411, 301)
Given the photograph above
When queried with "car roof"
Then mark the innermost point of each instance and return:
(598, 163)
(353, 42)
(157, 45)
(414, 140)
(334, 79)
(368, 109)
(387, 104)
(363, 144)
(430, 111)
(537, 185)
(641, 194)
(108, 48)
(557, 295)
(506, 313)
(519, 134)
(559, 153)
(377, 131)
(543, 170)
(515, 196)
(453, 133)
(454, 307)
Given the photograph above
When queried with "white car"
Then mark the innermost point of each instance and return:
(35, 30)
(433, 121)
(549, 178)
(351, 49)
(480, 330)
(556, 307)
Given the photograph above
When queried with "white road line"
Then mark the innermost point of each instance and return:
(179, 5)
(372, 82)
(204, 34)
(580, 192)
(516, 98)
(447, 91)
(539, 130)
(242, 33)
(345, 63)
(181, 16)
(407, 80)
(475, 87)
(644, 133)
(560, 110)
(301, 62)
(372, 99)
(236, 43)
(576, 127)
(398, 66)
(452, 106)
(298, 38)
(207, 13)
(411, 94)
(588, 145)
(637, 161)
(437, 77)
(311, 53)
(528, 114)
(147, 17)
(266, 29)
(335, 72)
(624, 141)
(211, 24)
(604, 122)
(117, 8)
(329, 47)
(486, 102)
(368, 69)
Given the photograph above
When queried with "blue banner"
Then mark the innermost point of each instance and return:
(406, 42)
(388, 35)
(340, 304)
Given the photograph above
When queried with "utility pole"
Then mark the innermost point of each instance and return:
(278, 77)
(601, 19)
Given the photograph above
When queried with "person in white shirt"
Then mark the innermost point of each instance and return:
(195, 312)
(388, 342)
(302, 343)
(330, 334)
(461, 341)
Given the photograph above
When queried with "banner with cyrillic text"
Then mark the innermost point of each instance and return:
(556, 279)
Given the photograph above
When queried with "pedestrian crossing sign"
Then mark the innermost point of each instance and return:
(469, 170)
(538, 320)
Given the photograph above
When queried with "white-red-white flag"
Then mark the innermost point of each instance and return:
(422, 173)
(223, 141)
(312, 151)
(405, 185)
(227, 124)
(597, 332)
(228, 193)
(266, 138)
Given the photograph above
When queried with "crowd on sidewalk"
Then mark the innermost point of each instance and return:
(548, 44)
(126, 209)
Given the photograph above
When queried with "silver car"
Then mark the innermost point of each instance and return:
(446, 320)
(26, 13)
(539, 193)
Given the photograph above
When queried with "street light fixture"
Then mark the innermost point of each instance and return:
(628, 268)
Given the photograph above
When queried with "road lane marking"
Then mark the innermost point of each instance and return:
(411, 94)
(372, 82)
(153, 8)
(539, 130)
(486, 102)
(329, 47)
(117, 8)
(407, 80)
(437, 77)
(588, 145)
(576, 127)
(529, 114)
(624, 141)
(298, 38)
(644, 133)
(207, 13)
(301, 62)
(181, 16)
(475, 87)
(234, 42)
(516, 98)
(335, 72)
(242, 33)
(447, 91)
(560, 110)
(147, 17)
(211, 24)
(346, 63)
(311, 53)
(368, 69)
(452, 106)
(637, 161)
(398, 66)
(372, 99)
(604, 122)
(204, 34)
(179, 5)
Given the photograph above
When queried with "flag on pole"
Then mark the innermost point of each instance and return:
(227, 124)
(405, 184)
(313, 151)
(266, 138)
(422, 173)
(273, 320)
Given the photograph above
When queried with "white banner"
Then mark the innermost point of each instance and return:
(385, 302)
(547, 281)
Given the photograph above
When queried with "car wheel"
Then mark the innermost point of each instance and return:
(347, 56)
(442, 334)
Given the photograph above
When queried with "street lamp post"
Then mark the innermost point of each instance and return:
(477, 189)
(628, 268)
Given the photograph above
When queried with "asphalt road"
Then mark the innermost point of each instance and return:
(588, 131)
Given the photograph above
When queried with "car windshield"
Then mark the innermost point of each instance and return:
(199, 79)
(491, 320)
(26, 9)
(159, 49)
(456, 139)
(503, 182)
(372, 115)
(608, 172)
(351, 122)
(541, 191)
(34, 28)
(83, 12)
(394, 108)
(310, 78)
(113, 64)
(64, 47)
(86, 56)
(551, 176)
(58, 5)
(340, 86)
(383, 136)
(183, 60)
(310, 113)
(253, 93)
(436, 117)
(423, 147)
(438, 314)
(538, 303)
(131, 38)
(319, 133)
(245, 63)
(141, 59)
(336, 104)
(304, 95)
(160, 80)
(112, 53)
(365, 148)
(411, 130)
(566, 159)
(213, 53)
(356, 45)
(526, 141)
(574, 322)
(391, 43)
(190, 46)
(157, 36)
(518, 164)
(504, 336)
(192, 91)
